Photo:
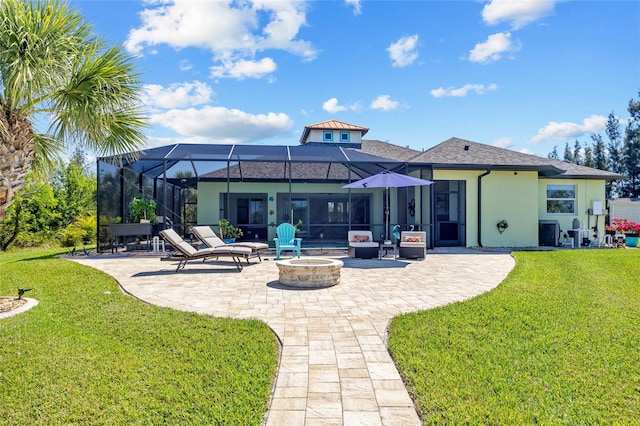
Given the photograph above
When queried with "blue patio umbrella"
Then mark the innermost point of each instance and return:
(387, 179)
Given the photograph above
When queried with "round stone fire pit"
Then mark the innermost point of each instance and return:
(309, 272)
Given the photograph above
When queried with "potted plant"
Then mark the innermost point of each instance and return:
(631, 230)
(142, 209)
(228, 232)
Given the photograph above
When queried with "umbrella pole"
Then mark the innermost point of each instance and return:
(386, 218)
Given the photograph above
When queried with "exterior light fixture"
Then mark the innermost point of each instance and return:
(502, 225)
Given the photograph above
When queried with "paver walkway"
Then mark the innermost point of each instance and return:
(334, 367)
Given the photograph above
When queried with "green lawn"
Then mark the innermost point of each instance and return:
(88, 354)
(558, 342)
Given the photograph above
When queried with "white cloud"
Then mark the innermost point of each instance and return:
(178, 95)
(224, 125)
(503, 143)
(527, 151)
(228, 29)
(356, 4)
(493, 49)
(519, 13)
(242, 68)
(403, 52)
(185, 65)
(566, 129)
(479, 89)
(332, 106)
(384, 103)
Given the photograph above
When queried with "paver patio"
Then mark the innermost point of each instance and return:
(334, 367)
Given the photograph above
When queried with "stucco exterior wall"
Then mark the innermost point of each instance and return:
(210, 210)
(510, 196)
(517, 197)
(587, 191)
(505, 196)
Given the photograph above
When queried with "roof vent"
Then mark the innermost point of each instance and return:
(466, 147)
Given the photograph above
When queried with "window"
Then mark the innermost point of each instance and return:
(345, 137)
(561, 199)
(327, 136)
(251, 210)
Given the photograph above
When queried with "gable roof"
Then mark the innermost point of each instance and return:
(456, 153)
(331, 125)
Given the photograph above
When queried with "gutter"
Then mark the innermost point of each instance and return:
(480, 206)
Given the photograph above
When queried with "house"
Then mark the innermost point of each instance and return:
(476, 187)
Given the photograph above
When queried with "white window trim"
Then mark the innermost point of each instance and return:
(574, 199)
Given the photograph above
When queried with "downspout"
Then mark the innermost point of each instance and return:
(480, 206)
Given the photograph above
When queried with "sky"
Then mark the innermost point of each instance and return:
(526, 75)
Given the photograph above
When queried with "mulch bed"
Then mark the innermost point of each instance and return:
(9, 303)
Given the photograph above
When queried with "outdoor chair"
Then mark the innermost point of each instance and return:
(361, 245)
(185, 252)
(413, 244)
(211, 240)
(286, 240)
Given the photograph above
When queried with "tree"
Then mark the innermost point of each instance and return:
(613, 133)
(616, 164)
(52, 67)
(75, 190)
(60, 211)
(33, 218)
(577, 153)
(631, 149)
(553, 155)
(589, 161)
(568, 155)
(599, 153)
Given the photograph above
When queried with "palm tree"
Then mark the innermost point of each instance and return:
(56, 75)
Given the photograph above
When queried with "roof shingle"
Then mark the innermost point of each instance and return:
(461, 153)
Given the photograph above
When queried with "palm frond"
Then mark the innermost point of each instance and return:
(47, 156)
(50, 62)
(37, 40)
(99, 108)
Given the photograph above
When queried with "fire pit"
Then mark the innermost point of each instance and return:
(309, 272)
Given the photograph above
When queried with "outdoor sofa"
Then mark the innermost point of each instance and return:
(361, 245)
(413, 245)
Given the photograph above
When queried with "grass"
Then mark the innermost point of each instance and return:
(88, 354)
(558, 342)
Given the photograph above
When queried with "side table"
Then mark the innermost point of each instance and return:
(386, 246)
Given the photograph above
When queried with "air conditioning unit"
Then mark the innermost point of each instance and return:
(549, 233)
